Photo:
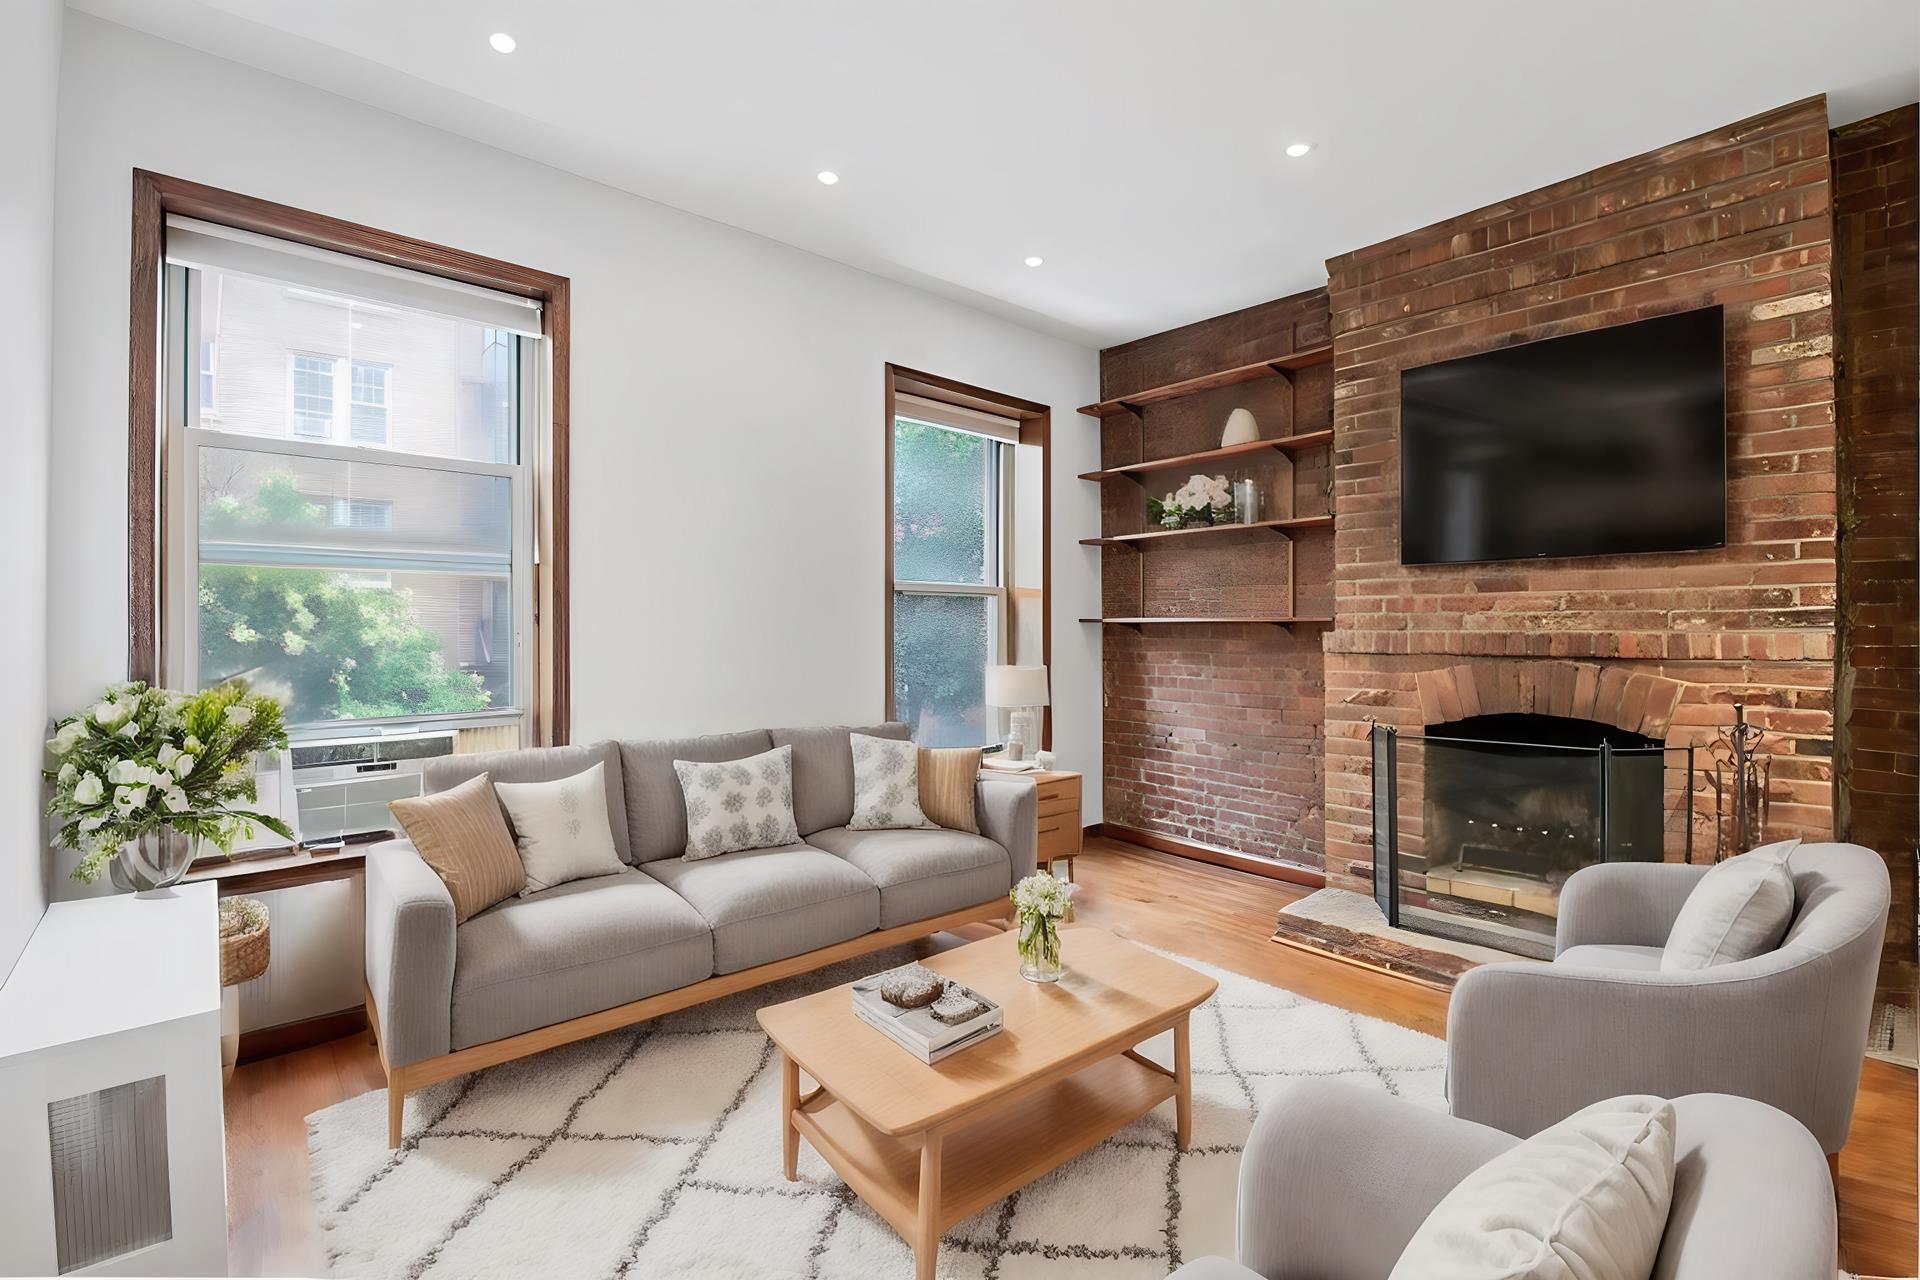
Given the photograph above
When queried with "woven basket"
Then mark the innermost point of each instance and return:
(245, 944)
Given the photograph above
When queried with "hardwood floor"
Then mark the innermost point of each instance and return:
(1210, 913)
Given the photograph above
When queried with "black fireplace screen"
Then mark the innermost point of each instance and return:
(1479, 822)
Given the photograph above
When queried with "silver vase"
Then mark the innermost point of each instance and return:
(152, 860)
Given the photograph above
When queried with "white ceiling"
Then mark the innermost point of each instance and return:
(1136, 145)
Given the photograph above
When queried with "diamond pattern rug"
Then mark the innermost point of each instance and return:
(655, 1151)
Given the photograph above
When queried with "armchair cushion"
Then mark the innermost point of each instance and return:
(1739, 910)
(1596, 955)
(1586, 1197)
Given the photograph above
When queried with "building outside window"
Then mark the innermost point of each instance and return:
(353, 532)
(952, 536)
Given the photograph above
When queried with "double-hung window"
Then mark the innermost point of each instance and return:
(952, 534)
(367, 559)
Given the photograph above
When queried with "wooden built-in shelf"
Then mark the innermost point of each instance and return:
(1139, 541)
(1278, 367)
(1276, 620)
(1284, 444)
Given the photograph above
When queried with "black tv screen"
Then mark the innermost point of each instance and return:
(1600, 443)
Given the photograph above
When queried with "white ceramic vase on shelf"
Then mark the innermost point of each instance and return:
(1241, 429)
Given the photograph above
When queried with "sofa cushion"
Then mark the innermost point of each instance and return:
(823, 771)
(656, 816)
(1622, 956)
(538, 764)
(922, 873)
(572, 950)
(768, 904)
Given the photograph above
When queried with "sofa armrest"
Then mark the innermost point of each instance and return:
(1008, 812)
(1529, 1044)
(1335, 1179)
(410, 945)
(1732, 1155)
(1623, 903)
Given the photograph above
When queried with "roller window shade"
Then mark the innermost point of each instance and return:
(972, 421)
(193, 243)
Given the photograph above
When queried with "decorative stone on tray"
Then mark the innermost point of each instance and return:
(956, 1006)
(911, 986)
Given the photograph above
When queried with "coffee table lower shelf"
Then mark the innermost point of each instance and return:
(982, 1159)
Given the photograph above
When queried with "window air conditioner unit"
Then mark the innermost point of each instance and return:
(342, 786)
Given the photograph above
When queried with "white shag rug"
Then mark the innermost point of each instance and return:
(655, 1152)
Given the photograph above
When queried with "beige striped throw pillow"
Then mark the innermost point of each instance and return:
(461, 834)
(947, 777)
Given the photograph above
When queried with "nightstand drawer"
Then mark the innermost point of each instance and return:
(1058, 795)
(1059, 836)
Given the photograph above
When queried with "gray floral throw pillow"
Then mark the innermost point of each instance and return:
(738, 804)
(886, 784)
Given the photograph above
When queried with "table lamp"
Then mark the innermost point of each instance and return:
(1023, 691)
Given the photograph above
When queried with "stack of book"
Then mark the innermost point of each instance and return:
(917, 1030)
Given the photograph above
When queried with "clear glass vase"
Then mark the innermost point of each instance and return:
(1039, 949)
(152, 860)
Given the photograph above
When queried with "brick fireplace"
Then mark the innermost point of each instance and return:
(1658, 645)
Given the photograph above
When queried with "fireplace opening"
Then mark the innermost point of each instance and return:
(1510, 806)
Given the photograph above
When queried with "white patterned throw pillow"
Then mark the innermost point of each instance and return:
(560, 828)
(738, 804)
(886, 784)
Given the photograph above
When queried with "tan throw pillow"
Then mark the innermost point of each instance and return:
(947, 779)
(461, 834)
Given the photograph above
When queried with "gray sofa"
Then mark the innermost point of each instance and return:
(1528, 1044)
(594, 954)
(1335, 1180)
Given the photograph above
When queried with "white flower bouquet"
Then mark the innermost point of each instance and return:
(1202, 500)
(1040, 903)
(142, 760)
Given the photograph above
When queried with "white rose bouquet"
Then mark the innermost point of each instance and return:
(1201, 500)
(1040, 903)
(142, 758)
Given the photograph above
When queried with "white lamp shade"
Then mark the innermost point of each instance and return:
(1016, 686)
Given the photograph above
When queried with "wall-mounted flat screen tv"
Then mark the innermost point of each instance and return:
(1608, 442)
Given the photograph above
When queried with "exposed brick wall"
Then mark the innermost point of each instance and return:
(1877, 730)
(1212, 734)
(1739, 216)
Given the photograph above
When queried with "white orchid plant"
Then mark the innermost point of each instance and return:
(141, 759)
(1201, 500)
(1040, 902)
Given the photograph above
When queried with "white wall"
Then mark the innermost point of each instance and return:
(727, 393)
(29, 67)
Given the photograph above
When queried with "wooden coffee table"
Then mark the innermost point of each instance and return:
(929, 1146)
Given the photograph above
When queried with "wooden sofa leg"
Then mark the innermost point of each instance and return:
(396, 1107)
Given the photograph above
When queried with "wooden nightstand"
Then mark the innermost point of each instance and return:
(1060, 825)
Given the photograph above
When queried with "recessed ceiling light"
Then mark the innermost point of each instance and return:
(501, 42)
(827, 177)
(1035, 261)
(1298, 149)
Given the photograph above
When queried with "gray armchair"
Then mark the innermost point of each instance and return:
(1336, 1180)
(1528, 1044)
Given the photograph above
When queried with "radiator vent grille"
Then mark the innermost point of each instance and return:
(110, 1193)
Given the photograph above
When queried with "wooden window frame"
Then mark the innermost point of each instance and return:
(157, 195)
(1035, 428)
